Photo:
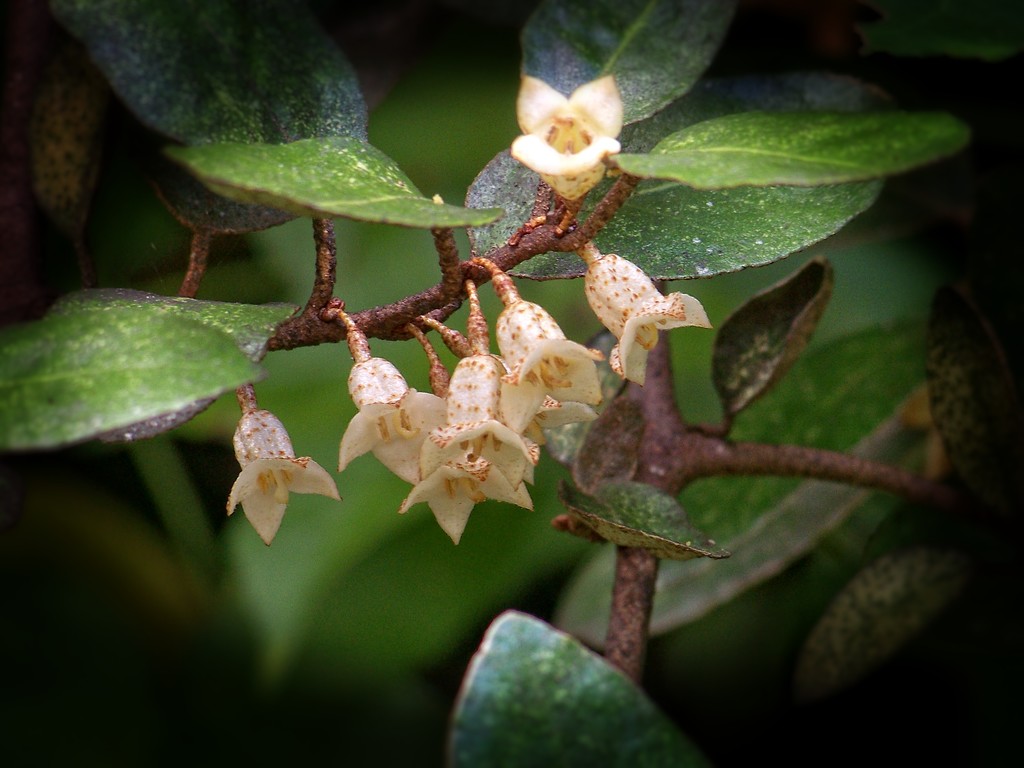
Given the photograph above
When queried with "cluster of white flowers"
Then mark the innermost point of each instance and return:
(477, 436)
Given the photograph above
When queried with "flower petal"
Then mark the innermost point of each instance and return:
(375, 381)
(537, 104)
(598, 104)
(261, 435)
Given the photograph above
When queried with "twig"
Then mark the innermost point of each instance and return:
(308, 323)
(448, 259)
(391, 321)
(198, 256)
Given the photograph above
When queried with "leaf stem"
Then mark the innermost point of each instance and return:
(198, 257)
(448, 260)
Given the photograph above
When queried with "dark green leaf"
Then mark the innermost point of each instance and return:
(221, 70)
(198, 207)
(885, 606)
(767, 523)
(657, 49)
(639, 515)
(535, 696)
(984, 29)
(610, 451)
(77, 375)
(66, 134)
(974, 402)
(759, 342)
(249, 325)
(673, 231)
(339, 176)
(798, 148)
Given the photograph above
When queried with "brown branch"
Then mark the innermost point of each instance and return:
(23, 292)
(198, 257)
(308, 323)
(448, 259)
(713, 456)
(636, 571)
(636, 568)
(391, 321)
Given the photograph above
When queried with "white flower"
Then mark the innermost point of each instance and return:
(393, 420)
(473, 428)
(543, 362)
(270, 471)
(629, 305)
(567, 140)
(453, 489)
(555, 414)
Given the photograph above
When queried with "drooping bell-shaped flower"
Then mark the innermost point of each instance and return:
(453, 489)
(473, 428)
(628, 304)
(567, 140)
(270, 471)
(393, 419)
(542, 361)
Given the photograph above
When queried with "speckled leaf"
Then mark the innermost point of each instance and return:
(66, 134)
(884, 607)
(676, 232)
(657, 49)
(564, 443)
(250, 325)
(798, 148)
(339, 176)
(985, 29)
(639, 515)
(76, 375)
(974, 403)
(611, 448)
(535, 696)
(768, 523)
(221, 70)
(759, 342)
(226, 70)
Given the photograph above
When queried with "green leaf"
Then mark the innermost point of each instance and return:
(611, 448)
(339, 176)
(221, 70)
(76, 375)
(767, 523)
(974, 403)
(535, 696)
(249, 325)
(984, 29)
(638, 515)
(759, 342)
(798, 148)
(199, 208)
(657, 49)
(673, 231)
(884, 607)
